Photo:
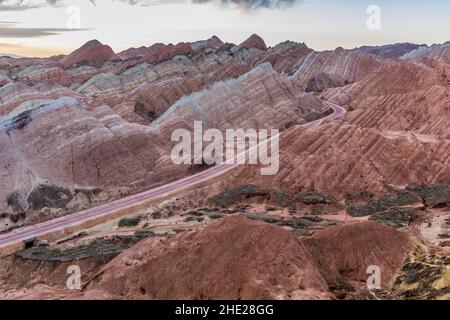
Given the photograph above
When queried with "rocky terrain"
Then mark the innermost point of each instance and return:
(370, 188)
(106, 118)
(251, 242)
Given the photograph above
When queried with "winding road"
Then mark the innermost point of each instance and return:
(38, 230)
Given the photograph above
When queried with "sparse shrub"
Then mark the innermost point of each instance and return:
(142, 234)
(129, 222)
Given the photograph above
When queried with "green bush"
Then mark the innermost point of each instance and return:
(129, 222)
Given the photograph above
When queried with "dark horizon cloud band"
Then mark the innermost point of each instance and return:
(9, 30)
(13, 33)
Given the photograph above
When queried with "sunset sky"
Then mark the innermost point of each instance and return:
(39, 27)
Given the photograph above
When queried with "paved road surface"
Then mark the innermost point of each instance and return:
(58, 224)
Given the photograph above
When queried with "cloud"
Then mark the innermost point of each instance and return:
(9, 30)
(252, 4)
(8, 45)
(247, 4)
(30, 32)
(21, 50)
(20, 5)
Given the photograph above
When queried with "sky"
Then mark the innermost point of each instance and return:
(48, 27)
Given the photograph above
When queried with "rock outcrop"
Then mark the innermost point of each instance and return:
(80, 130)
(339, 67)
(345, 252)
(391, 51)
(254, 41)
(91, 53)
(212, 43)
(257, 99)
(63, 146)
(235, 258)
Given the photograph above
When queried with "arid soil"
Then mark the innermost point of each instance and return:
(250, 242)
(370, 188)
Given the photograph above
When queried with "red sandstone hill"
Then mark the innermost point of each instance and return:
(345, 252)
(91, 53)
(318, 71)
(212, 43)
(392, 51)
(84, 129)
(254, 41)
(115, 136)
(235, 258)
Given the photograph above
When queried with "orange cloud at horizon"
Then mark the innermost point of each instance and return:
(30, 51)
